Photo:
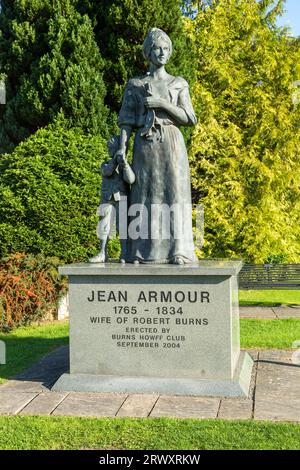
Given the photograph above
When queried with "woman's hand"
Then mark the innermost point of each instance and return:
(120, 157)
(152, 102)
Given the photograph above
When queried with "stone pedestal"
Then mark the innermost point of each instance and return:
(156, 329)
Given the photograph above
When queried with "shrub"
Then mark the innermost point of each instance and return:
(49, 193)
(29, 288)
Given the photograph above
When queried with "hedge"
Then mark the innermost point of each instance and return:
(49, 192)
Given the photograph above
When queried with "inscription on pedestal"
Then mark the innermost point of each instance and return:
(150, 322)
(178, 327)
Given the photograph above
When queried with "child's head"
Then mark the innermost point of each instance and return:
(113, 145)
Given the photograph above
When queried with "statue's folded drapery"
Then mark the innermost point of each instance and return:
(161, 167)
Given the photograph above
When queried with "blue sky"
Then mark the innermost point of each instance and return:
(292, 16)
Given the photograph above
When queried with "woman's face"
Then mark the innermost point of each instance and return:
(160, 52)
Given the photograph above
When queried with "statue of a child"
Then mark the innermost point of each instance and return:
(117, 176)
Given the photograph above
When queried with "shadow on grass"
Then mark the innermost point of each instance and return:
(22, 352)
(249, 303)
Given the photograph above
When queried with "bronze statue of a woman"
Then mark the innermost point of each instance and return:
(154, 106)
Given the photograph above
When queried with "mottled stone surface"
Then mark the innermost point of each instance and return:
(90, 404)
(235, 408)
(273, 408)
(277, 379)
(287, 312)
(186, 407)
(23, 386)
(12, 402)
(257, 312)
(43, 404)
(138, 406)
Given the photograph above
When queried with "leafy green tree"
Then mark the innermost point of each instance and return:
(53, 68)
(246, 146)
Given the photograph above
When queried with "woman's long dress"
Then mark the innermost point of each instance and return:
(160, 213)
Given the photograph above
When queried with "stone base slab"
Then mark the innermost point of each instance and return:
(238, 387)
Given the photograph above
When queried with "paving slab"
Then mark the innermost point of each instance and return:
(280, 369)
(257, 312)
(22, 386)
(90, 404)
(232, 408)
(13, 402)
(270, 384)
(280, 409)
(186, 407)
(43, 404)
(138, 406)
(275, 355)
(277, 376)
(287, 312)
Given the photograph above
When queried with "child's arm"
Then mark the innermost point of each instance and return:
(128, 175)
(124, 140)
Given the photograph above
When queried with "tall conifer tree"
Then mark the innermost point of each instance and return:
(53, 68)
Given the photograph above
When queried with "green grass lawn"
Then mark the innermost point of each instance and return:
(269, 334)
(160, 433)
(269, 297)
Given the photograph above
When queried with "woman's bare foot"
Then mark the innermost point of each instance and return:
(99, 258)
(178, 260)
